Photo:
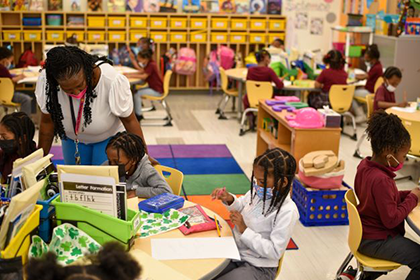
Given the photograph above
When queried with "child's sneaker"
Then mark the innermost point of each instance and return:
(348, 274)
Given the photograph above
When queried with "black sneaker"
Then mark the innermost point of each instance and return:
(348, 274)
(139, 117)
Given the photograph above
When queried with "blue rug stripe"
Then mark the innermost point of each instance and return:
(202, 166)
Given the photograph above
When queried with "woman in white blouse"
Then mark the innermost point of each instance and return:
(85, 102)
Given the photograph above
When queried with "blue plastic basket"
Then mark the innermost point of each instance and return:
(45, 218)
(320, 208)
(32, 21)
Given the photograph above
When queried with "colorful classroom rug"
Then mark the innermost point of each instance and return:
(205, 168)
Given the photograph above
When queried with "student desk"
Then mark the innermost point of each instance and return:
(189, 269)
(413, 219)
(296, 141)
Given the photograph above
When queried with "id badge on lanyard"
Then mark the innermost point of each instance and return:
(76, 126)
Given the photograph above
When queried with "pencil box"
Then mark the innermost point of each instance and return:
(199, 221)
(161, 203)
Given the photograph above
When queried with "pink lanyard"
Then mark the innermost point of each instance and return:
(76, 126)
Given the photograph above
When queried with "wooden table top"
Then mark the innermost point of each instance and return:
(191, 269)
(414, 117)
(413, 219)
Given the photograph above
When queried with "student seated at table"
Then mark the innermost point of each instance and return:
(383, 208)
(143, 180)
(374, 67)
(16, 141)
(150, 74)
(262, 73)
(112, 262)
(6, 58)
(264, 218)
(278, 44)
(334, 74)
(143, 43)
(385, 94)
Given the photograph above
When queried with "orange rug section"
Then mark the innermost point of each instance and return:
(214, 205)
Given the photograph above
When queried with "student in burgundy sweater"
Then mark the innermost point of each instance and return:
(385, 94)
(382, 207)
(374, 67)
(333, 75)
(262, 73)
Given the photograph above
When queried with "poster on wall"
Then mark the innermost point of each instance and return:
(4, 5)
(151, 6)
(36, 5)
(134, 6)
(258, 7)
(20, 5)
(95, 5)
(210, 6)
(274, 7)
(55, 5)
(227, 6)
(191, 6)
(75, 6)
(301, 21)
(168, 6)
(317, 26)
(116, 6)
(242, 6)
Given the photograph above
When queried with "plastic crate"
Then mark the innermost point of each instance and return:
(178, 22)
(178, 37)
(320, 208)
(96, 22)
(258, 24)
(116, 36)
(54, 20)
(219, 23)
(116, 21)
(138, 22)
(11, 35)
(238, 37)
(32, 21)
(96, 36)
(55, 35)
(101, 227)
(136, 35)
(159, 37)
(198, 23)
(198, 37)
(219, 37)
(45, 218)
(277, 25)
(19, 245)
(158, 23)
(239, 24)
(32, 35)
(258, 38)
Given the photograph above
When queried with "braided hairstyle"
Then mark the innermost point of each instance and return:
(259, 56)
(132, 145)
(61, 63)
(335, 59)
(282, 165)
(392, 71)
(373, 52)
(24, 130)
(387, 133)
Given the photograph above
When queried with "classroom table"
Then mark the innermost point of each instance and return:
(413, 219)
(414, 117)
(188, 269)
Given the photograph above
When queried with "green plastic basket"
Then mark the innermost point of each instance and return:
(101, 227)
(355, 51)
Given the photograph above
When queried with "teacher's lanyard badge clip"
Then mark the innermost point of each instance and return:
(76, 126)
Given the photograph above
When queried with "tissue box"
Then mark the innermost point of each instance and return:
(330, 117)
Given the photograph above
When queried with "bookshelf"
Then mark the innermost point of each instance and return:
(201, 32)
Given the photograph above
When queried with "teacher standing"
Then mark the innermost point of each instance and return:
(85, 102)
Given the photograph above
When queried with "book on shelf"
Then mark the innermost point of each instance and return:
(151, 6)
(5, 5)
(168, 6)
(227, 6)
(134, 6)
(116, 6)
(209, 6)
(36, 5)
(258, 7)
(191, 6)
(75, 6)
(95, 5)
(20, 5)
(242, 6)
(55, 5)
(274, 7)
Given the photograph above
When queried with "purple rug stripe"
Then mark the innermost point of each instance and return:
(159, 151)
(57, 152)
(201, 151)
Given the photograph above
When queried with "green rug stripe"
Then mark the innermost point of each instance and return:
(205, 184)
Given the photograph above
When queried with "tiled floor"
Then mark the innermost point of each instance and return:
(321, 249)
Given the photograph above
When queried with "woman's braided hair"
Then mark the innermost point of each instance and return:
(282, 166)
(61, 63)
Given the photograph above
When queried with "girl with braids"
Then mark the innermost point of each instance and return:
(382, 207)
(84, 101)
(16, 140)
(385, 94)
(143, 180)
(264, 217)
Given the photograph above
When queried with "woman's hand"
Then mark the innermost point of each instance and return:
(223, 195)
(237, 219)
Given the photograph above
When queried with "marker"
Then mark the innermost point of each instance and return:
(217, 226)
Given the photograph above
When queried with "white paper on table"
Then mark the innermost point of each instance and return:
(28, 80)
(34, 68)
(406, 109)
(195, 248)
(125, 69)
(287, 83)
(358, 71)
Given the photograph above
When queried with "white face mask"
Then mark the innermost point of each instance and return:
(142, 65)
(390, 88)
(9, 65)
(368, 65)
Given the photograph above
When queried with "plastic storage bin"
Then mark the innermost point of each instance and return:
(54, 20)
(199, 23)
(138, 22)
(158, 23)
(198, 37)
(19, 245)
(159, 37)
(258, 24)
(116, 36)
(32, 21)
(219, 23)
(239, 24)
(178, 37)
(11, 35)
(116, 22)
(96, 36)
(101, 227)
(55, 35)
(258, 38)
(277, 25)
(80, 35)
(32, 35)
(178, 23)
(320, 208)
(162, 203)
(237, 37)
(219, 37)
(355, 51)
(45, 218)
(136, 35)
(96, 21)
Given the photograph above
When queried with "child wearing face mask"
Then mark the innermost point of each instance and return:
(264, 217)
(149, 73)
(383, 208)
(385, 94)
(6, 59)
(142, 179)
(16, 141)
(143, 44)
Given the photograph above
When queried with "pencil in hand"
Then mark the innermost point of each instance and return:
(217, 226)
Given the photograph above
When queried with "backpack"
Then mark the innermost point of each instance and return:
(27, 59)
(211, 70)
(226, 57)
(186, 63)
